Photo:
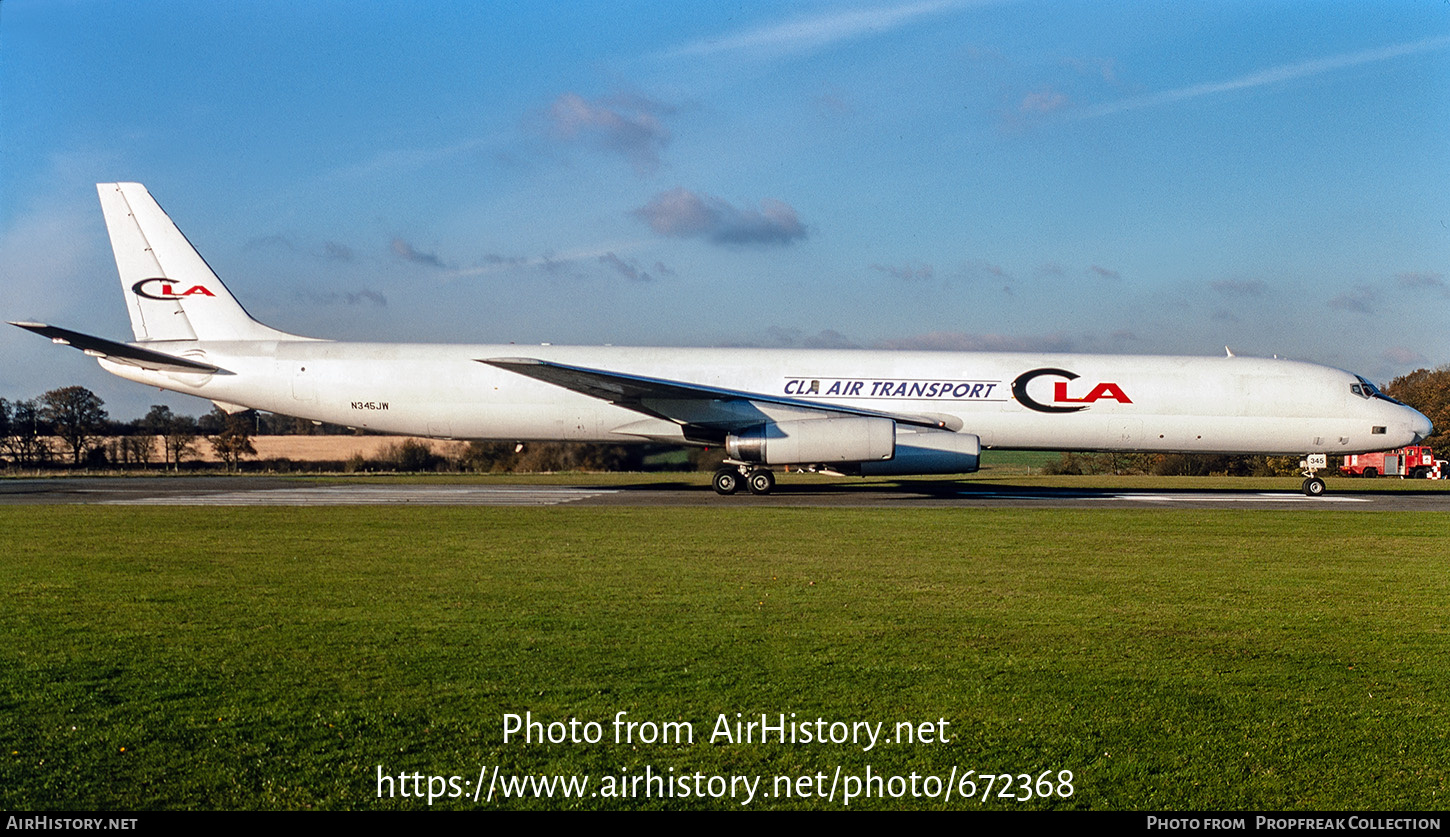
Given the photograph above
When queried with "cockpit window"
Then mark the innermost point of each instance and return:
(1365, 389)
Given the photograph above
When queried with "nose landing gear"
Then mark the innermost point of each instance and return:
(1313, 486)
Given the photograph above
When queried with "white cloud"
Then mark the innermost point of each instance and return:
(906, 272)
(1359, 300)
(1046, 100)
(960, 341)
(626, 125)
(680, 213)
(405, 251)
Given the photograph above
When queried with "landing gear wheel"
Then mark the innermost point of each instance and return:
(726, 481)
(1313, 485)
(761, 481)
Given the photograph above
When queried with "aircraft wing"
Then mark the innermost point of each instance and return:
(118, 352)
(690, 404)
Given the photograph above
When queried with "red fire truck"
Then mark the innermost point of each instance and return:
(1415, 462)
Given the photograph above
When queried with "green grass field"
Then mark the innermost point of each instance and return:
(276, 658)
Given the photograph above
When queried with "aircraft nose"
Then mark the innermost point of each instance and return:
(1421, 426)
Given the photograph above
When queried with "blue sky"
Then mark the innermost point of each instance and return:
(1096, 177)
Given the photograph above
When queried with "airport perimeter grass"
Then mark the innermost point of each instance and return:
(276, 658)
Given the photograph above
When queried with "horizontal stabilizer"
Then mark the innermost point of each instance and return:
(118, 352)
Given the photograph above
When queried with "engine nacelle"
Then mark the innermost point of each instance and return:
(869, 446)
(815, 441)
(929, 452)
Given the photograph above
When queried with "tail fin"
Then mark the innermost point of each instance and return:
(171, 293)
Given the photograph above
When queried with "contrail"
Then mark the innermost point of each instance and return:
(818, 31)
(1273, 75)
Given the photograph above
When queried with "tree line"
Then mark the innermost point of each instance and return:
(1428, 390)
(70, 426)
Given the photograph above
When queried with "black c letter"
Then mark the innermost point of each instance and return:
(1019, 391)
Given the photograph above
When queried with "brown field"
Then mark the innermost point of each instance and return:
(312, 448)
(328, 448)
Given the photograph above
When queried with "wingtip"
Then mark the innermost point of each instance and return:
(510, 361)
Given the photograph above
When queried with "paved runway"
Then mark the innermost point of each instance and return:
(283, 491)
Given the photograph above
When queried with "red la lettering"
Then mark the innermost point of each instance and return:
(1099, 392)
(168, 290)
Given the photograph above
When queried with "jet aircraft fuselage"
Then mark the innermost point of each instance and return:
(850, 412)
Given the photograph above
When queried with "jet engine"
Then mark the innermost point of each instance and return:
(812, 441)
(928, 452)
(870, 446)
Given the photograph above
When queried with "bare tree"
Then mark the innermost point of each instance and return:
(234, 439)
(180, 440)
(178, 433)
(76, 415)
(25, 442)
(134, 448)
(138, 447)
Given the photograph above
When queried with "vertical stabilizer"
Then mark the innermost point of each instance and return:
(171, 293)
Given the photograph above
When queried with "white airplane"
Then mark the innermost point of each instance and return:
(838, 412)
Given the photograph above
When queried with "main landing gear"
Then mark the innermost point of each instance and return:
(1313, 486)
(729, 479)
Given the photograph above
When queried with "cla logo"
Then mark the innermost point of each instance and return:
(166, 290)
(1059, 392)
